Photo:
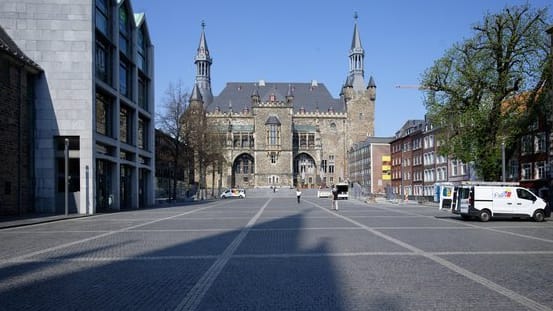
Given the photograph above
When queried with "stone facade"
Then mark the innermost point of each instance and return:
(288, 134)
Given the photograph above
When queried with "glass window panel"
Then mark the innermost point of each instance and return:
(102, 16)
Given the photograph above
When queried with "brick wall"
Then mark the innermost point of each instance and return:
(16, 187)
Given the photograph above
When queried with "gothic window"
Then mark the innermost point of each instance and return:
(311, 140)
(323, 166)
(272, 126)
(303, 141)
(273, 135)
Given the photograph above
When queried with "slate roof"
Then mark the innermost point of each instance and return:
(409, 124)
(308, 96)
(8, 46)
(372, 140)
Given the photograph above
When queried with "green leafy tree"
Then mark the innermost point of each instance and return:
(471, 92)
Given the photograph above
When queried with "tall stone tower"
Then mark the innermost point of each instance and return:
(203, 63)
(359, 100)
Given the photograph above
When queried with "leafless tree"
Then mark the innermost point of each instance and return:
(205, 142)
(170, 121)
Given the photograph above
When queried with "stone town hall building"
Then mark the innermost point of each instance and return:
(287, 133)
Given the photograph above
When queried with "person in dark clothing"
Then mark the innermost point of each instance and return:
(334, 198)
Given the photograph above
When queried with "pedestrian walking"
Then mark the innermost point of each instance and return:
(298, 194)
(334, 198)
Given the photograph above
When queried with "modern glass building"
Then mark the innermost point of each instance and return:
(96, 94)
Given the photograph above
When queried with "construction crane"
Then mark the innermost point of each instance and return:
(412, 86)
(407, 86)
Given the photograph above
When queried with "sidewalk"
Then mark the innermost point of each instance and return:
(32, 219)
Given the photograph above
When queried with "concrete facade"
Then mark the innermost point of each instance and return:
(369, 165)
(63, 38)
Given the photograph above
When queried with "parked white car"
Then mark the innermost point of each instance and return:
(323, 193)
(234, 193)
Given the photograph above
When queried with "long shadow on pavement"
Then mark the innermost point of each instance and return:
(123, 278)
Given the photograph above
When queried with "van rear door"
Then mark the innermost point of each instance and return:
(446, 197)
(462, 197)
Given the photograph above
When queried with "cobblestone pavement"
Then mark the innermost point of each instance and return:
(270, 253)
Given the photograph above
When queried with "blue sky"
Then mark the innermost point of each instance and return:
(300, 41)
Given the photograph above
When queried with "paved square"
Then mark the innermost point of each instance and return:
(274, 254)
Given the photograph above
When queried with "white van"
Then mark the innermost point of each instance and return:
(486, 201)
(342, 189)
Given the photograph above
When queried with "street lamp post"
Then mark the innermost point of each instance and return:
(503, 161)
(66, 170)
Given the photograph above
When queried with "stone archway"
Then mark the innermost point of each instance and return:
(305, 171)
(243, 171)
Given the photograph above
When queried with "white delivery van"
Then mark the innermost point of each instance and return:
(486, 201)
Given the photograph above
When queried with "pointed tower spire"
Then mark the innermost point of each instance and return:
(196, 96)
(203, 63)
(372, 89)
(356, 60)
(255, 95)
(290, 94)
(371, 83)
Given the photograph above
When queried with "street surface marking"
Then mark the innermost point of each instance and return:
(494, 229)
(193, 298)
(275, 255)
(57, 247)
(529, 303)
